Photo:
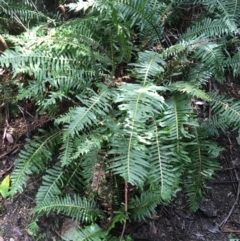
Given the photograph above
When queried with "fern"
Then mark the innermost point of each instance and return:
(33, 159)
(203, 164)
(119, 88)
(145, 205)
(51, 185)
(77, 208)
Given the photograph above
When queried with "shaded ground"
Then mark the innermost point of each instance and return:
(214, 221)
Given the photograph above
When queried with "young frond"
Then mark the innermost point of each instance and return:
(77, 208)
(81, 5)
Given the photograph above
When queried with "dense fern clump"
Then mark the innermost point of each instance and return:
(119, 82)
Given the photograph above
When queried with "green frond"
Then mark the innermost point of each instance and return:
(140, 103)
(24, 12)
(81, 146)
(150, 64)
(41, 64)
(77, 208)
(85, 117)
(141, 14)
(210, 28)
(165, 165)
(190, 88)
(199, 75)
(177, 116)
(228, 9)
(144, 206)
(88, 233)
(211, 55)
(33, 159)
(203, 164)
(233, 64)
(66, 151)
(213, 126)
(51, 185)
(226, 109)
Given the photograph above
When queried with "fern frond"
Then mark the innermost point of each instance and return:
(214, 125)
(228, 109)
(141, 14)
(24, 12)
(33, 159)
(210, 28)
(211, 55)
(85, 117)
(199, 75)
(140, 103)
(227, 9)
(88, 233)
(177, 116)
(51, 185)
(150, 64)
(77, 208)
(189, 88)
(233, 64)
(144, 206)
(203, 164)
(41, 64)
(165, 166)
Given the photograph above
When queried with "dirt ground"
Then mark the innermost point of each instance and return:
(217, 219)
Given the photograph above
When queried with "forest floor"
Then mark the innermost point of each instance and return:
(217, 219)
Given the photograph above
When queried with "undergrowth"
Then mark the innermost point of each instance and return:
(119, 81)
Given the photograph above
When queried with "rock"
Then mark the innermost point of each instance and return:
(208, 208)
(69, 227)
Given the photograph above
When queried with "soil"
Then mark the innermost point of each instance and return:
(217, 219)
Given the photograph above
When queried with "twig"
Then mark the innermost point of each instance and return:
(235, 203)
(125, 208)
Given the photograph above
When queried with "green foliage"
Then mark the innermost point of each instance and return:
(121, 96)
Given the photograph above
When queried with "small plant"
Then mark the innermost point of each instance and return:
(121, 85)
(4, 186)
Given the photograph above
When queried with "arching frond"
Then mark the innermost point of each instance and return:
(78, 208)
(33, 159)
